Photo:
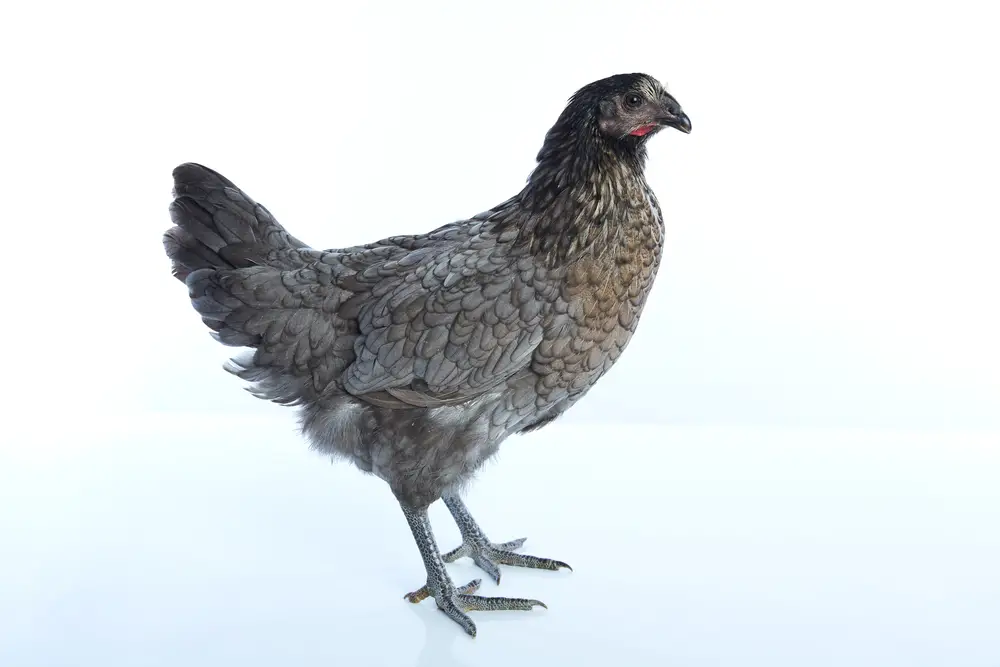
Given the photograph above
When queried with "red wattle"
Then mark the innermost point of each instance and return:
(642, 131)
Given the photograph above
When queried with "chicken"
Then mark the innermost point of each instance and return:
(414, 357)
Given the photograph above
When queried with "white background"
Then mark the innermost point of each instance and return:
(814, 391)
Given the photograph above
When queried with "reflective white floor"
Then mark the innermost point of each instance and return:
(212, 541)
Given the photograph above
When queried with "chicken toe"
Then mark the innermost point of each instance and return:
(487, 555)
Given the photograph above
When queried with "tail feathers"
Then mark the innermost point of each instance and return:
(215, 304)
(242, 272)
(188, 254)
(300, 346)
(217, 226)
(282, 367)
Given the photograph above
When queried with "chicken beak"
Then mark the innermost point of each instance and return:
(677, 119)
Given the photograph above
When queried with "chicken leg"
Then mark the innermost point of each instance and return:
(485, 554)
(453, 601)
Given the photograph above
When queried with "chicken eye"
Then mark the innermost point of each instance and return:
(633, 101)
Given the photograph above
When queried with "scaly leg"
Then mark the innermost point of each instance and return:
(484, 553)
(451, 600)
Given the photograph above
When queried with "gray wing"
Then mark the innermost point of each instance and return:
(444, 323)
(408, 322)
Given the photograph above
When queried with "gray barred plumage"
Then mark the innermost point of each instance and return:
(414, 357)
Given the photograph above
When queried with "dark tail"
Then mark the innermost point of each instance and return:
(219, 227)
(238, 264)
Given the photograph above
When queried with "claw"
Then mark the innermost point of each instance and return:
(418, 595)
(462, 600)
(489, 556)
(478, 603)
(451, 610)
(521, 560)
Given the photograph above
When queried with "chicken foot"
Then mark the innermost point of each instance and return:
(453, 601)
(487, 555)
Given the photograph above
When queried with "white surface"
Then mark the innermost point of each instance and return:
(191, 541)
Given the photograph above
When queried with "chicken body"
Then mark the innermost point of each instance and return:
(414, 357)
